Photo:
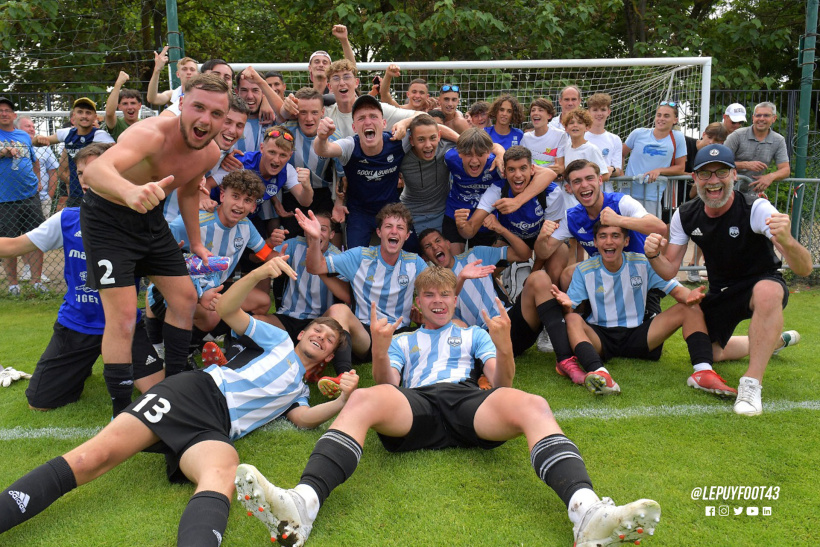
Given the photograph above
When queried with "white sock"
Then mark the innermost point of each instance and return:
(702, 366)
(311, 500)
(602, 369)
(580, 502)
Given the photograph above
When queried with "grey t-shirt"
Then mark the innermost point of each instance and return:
(747, 148)
(426, 182)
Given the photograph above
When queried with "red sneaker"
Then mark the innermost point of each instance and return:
(600, 382)
(212, 355)
(571, 368)
(314, 375)
(711, 382)
(331, 387)
(484, 383)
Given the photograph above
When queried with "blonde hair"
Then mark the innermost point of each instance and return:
(435, 277)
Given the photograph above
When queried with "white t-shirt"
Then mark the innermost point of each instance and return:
(546, 148)
(611, 147)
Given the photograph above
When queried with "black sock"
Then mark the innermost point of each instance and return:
(220, 329)
(119, 379)
(176, 348)
(700, 348)
(196, 336)
(153, 327)
(343, 360)
(333, 461)
(558, 463)
(204, 520)
(588, 357)
(552, 317)
(35, 491)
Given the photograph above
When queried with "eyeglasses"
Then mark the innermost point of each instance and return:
(6, 111)
(346, 78)
(705, 174)
(446, 88)
(673, 104)
(275, 133)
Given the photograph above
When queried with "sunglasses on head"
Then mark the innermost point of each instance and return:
(446, 88)
(673, 104)
(275, 133)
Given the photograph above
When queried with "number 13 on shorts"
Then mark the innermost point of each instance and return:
(153, 415)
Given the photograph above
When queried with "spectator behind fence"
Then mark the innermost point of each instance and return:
(83, 114)
(569, 99)
(756, 146)
(127, 101)
(48, 167)
(418, 94)
(610, 144)
(186, 69)
(734, 117)
(19, 206)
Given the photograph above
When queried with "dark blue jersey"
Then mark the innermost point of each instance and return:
(372, 181)
(580, 225)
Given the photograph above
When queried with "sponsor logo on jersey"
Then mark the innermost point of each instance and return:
(636, 280)
(415, 349)
(74, 253)
(78, 233)
(21, 498)
(734, 231)
(697, 232)
(404, 280)
(376, 174)
(581, 230)
(454, 341)
(150, 360)
(238, 243)
(600, 289)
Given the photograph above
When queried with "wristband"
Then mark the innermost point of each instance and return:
(264, 252)
(654, 257)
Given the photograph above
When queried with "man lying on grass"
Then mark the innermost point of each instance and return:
(194, 417)
(428, 398)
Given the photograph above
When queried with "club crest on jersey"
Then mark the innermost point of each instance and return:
(390, 158)
(404, 280)
(238, 242)
(734, 231)
(271, 189)
(636, 280)
(454, 341)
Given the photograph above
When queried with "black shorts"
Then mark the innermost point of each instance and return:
(293, 326)
(60, 374)
(450, 232)
(20, 217)
(724, 310)
(443, 417)
(523, 337)
(627, 342)
(183, 410)
(121, 244)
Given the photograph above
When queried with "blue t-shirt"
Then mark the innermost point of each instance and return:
(649, 153)
(466, 191)
(286, 178)
(510, 139)
(580, 225)
(17, 178)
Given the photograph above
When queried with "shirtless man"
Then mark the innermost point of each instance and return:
(125, 234)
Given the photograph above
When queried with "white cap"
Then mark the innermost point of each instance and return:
(325, 54)
(736, 112)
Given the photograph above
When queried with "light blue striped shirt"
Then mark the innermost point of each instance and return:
(617, 299)
(267, 386)
(446, 355)
(374, 280)
(308, 297)
(477, 294)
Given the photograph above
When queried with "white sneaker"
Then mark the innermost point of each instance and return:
(25, 274)
(748, 400)
(544, 343)
(282, 511)
(607, 524)
(692, 276)
(45, 279)
(39, 287)
(789, 338)
(14, 290)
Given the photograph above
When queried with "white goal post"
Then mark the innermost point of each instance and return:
(636, 85)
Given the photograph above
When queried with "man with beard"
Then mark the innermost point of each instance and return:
(125, 234)
(738, 235)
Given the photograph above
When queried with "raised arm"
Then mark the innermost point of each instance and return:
(314, 261)
(253, 76)
(152, 95)
(468, 225)
(381, 333)
(340, 32)
(114, 99)
(501, 370)
(797, 256)
(545, 244)
(384, 89)
(323, 147)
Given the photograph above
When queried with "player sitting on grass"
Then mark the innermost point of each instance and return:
(76, 344)
(616, 285)
(194, 417)
(428, 399)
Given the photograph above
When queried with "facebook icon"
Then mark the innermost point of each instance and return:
(710, 511)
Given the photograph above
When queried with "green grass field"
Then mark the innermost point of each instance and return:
(659, 439)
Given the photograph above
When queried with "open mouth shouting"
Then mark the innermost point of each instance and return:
(586, 196)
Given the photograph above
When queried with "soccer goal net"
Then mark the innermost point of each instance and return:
(636, 85)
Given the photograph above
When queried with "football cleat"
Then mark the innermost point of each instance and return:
(607, 524)
(282, 511)
(484, 383)
(600, 382)
(212, 355)
(330, 387)
(315, 375)
(711, 382)
(570, 368)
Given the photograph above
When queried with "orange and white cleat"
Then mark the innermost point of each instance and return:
(212, 355)
(330, 386)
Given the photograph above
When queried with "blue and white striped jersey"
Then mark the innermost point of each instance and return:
(477, 294)
(446, 355)
(267, 386)
(617, 299)
(305, 156)
(308, 297)
(170, 207)
(374, 280)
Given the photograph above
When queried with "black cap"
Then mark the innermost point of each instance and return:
(8, 101)
(714, 153)
(367, 100)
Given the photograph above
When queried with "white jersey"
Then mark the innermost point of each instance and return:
(611, 146)
(308, 297)
(446, 355)
(267, 386)
(374, 280)
(477, 294)
(617, 299)
(547, 148)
